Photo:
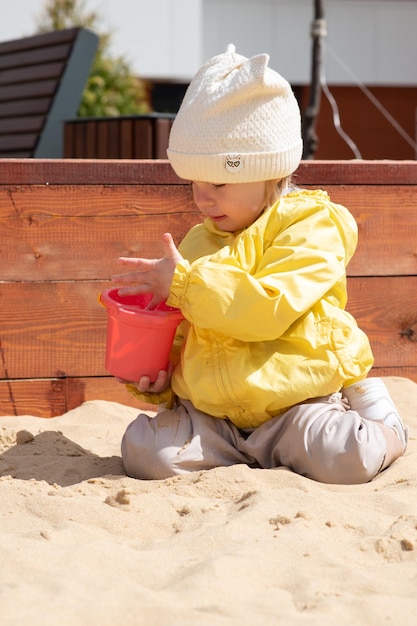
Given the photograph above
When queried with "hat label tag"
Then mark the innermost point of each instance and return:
(233, 163)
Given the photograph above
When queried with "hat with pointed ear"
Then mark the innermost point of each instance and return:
(239, 122)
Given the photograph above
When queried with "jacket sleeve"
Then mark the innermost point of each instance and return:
(254, 289)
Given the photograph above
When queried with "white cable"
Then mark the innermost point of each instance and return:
(375, 101)
(335, 110)
(336, 121)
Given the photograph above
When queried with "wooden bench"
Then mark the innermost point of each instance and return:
(65, 222)
(42, 79)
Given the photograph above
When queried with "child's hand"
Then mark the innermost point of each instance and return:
(161, 383)
(151, 275)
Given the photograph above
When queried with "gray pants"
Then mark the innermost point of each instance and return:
(321, 439)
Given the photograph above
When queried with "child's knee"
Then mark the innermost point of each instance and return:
(150, 445)
(353, 454)
(330, 444)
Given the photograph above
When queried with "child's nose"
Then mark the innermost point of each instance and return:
(203, 198)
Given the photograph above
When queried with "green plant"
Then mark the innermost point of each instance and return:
(112, 88)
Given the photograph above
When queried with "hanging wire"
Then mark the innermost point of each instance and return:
(336, 121)
(372, 98)
(336, 116)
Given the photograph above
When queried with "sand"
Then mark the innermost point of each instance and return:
(82, 544)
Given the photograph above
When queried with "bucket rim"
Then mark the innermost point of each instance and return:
(108, 302)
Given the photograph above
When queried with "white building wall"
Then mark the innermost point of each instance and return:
(279, 27)
(166, 41)
(375, 39)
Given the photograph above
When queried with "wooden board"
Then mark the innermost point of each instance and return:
(55, 329)
(52, 397)
(55, 396)
(64, 223)
(79, 230)
(156, 172)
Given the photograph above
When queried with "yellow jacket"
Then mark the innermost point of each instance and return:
(266, 326)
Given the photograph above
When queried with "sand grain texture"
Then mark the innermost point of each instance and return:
(83, 544)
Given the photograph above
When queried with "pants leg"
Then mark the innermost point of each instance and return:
(321, 439)
(179, 441)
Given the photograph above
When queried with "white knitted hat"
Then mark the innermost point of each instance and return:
(239, 122)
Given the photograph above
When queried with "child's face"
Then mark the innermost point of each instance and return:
(230, 206)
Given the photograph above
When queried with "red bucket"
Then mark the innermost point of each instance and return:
(139, 341)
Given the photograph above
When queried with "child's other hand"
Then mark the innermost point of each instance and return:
(151, 275)
(144, 385)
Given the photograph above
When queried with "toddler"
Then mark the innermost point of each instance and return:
(268, 368)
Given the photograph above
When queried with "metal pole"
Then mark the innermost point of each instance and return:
(318, 31)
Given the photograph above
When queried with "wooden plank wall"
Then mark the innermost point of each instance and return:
(123, 137)
(65, 222)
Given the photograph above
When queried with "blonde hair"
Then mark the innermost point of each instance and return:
(274, 189)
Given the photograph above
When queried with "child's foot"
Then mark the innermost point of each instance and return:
(371, 399)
